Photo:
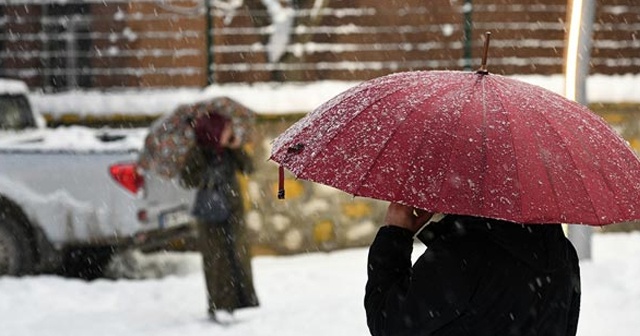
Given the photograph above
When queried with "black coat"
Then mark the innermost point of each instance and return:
(477, 277)
(225, 245)
(219, 179)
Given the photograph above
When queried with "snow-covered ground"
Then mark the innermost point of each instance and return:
(305, 295)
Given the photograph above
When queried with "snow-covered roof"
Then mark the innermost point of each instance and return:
(76, 139)
(13, 86)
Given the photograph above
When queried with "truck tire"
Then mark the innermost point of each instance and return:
(16, 252)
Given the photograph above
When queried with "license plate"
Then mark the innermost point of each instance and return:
(175, 218)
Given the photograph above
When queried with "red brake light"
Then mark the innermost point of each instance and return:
(127, 175)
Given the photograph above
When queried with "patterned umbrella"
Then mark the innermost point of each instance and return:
(170, 138)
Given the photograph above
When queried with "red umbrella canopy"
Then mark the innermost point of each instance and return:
(467, 143)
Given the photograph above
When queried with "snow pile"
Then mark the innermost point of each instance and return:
(275, 98)
(264, 98)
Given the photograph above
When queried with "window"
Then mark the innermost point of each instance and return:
(15, 113)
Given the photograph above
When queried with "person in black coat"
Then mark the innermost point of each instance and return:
(477, 277)
(219, 211)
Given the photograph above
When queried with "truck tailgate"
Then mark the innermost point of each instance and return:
(167, 203)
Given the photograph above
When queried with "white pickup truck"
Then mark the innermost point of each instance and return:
(72, 196)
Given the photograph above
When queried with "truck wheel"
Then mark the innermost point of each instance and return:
(87, 263)
(16, 254)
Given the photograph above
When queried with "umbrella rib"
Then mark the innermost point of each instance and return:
(440, 199)
(573, 160)
(344, 127)
(560, 138)
(504, 108)
(599, 170)
(382, 149)
(600, 167)
(316, 116)
(364, 177)
(546, 168)
(484, 139)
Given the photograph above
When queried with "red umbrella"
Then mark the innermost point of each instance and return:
(468, 143)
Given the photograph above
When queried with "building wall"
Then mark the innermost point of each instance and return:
(147, 43)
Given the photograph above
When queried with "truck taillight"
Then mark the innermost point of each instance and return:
(127, 175)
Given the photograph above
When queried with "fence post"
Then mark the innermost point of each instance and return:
(467, 10)
(209, 41)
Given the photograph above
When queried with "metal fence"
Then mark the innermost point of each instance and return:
(108, 44)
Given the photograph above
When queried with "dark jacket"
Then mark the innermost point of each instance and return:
(477, 277)
(225, 245)
(220, 174)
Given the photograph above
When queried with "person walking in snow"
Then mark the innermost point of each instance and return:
(478, 276)
(219, 211)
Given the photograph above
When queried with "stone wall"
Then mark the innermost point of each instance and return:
(312, 217)
(316, 217)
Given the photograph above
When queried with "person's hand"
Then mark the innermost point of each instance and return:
(406, 217)
(228, 138)
(235, 142)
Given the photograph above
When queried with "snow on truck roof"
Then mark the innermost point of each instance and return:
(13, 86)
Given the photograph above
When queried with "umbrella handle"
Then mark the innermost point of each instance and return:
(281, 182)
(297, 148)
